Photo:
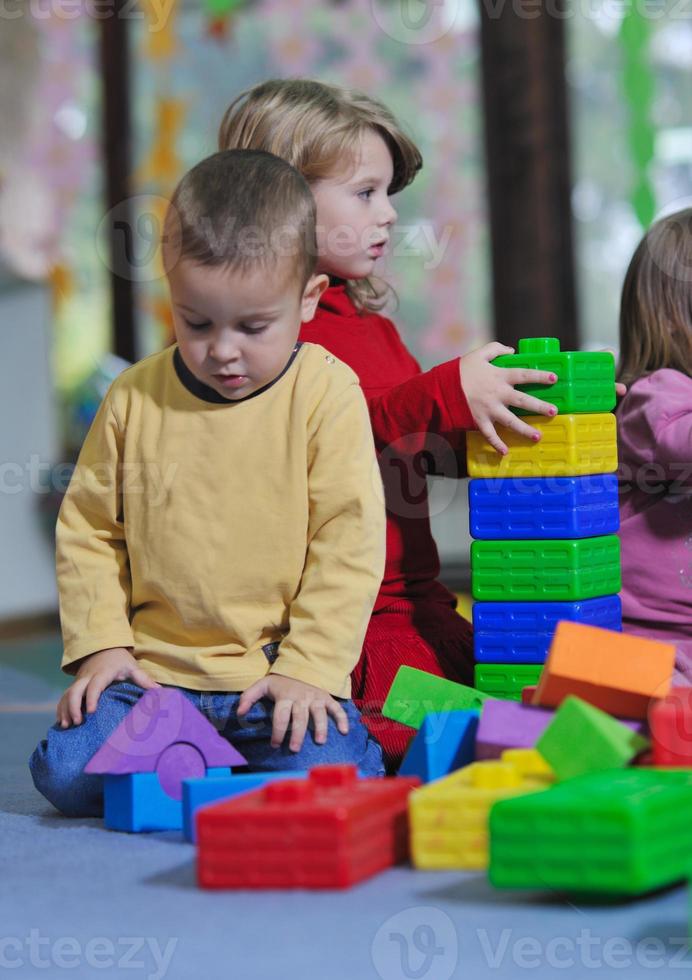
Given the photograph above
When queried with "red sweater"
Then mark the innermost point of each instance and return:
(417, 420)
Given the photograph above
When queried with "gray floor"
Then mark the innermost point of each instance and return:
(79, 901)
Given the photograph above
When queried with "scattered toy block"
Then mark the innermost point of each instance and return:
(527, 693)
(621, 831)
(530, 764)
(136, 802)
(671, 729)
(616, 672)
(585, 379)
(581, 739)
(328, 831)
(570, 445)
(449, 818)
(200, 792)
(561, 507)
(521, 632)
(167, 739)
(545, 571)
(505, 680)
(507, 725)
(415, 693)
(444, 742)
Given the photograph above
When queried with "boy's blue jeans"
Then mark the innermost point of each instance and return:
(57, 764)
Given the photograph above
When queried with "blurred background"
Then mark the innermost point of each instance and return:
(552, 135)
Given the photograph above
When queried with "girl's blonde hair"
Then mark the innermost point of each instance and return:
(656, 304)
(317, 127)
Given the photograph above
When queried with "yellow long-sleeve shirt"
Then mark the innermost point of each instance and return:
(198, 531)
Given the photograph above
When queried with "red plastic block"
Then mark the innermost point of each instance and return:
(671, 729)
(613, 671)
(527, 694)
(328, 831)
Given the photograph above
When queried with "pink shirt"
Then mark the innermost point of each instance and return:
(655, 474)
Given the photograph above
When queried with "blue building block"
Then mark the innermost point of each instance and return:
(136, 802)
(199, 792)
(521, 632)
(444, 742)
(544, 507)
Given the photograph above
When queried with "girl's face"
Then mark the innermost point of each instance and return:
(354, 213)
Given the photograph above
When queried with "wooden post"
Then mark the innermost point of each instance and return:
(529, 186)
(116, 143)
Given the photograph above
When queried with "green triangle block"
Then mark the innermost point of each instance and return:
(582, 739)
(415, 694)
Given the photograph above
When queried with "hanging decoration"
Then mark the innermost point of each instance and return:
(163, 166)
(160, 33)
(221, 15)
(454, 201)
(43, 178)
(639, 85)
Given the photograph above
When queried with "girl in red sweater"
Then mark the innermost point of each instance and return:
(354, 155)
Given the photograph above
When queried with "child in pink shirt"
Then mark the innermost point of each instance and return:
(655, 439)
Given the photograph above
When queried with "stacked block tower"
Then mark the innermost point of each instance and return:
(545, 519)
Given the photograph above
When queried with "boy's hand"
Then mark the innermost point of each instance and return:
(95, 673)
(295, 703)
(490, 390)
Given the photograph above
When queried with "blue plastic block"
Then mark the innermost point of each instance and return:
(521, 632)
(199, 792)
(135, 802)
(544, 507)
(444, 742)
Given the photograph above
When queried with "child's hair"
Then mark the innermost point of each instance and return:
(242, 209)
(316, 127)
(656, 304)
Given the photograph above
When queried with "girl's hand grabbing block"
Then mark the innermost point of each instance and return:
(490, 391)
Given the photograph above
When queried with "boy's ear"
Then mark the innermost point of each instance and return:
(316, 285)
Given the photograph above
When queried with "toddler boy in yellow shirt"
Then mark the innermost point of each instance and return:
(224, 529)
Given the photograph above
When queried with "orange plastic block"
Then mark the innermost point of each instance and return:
(618, 673)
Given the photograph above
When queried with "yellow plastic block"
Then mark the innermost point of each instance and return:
(449, 817)
(570, 445)
(530, 764)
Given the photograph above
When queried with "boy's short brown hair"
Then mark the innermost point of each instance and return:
(241, 209)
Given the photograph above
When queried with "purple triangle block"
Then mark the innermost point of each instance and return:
(162, 717)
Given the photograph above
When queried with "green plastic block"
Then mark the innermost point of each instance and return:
(582, 739)
(506, 680)
(546, 570)
(585, 380)
(620, 831)
(415, 694)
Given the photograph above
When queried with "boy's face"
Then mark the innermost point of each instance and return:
(354, 212)
(236, 330)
